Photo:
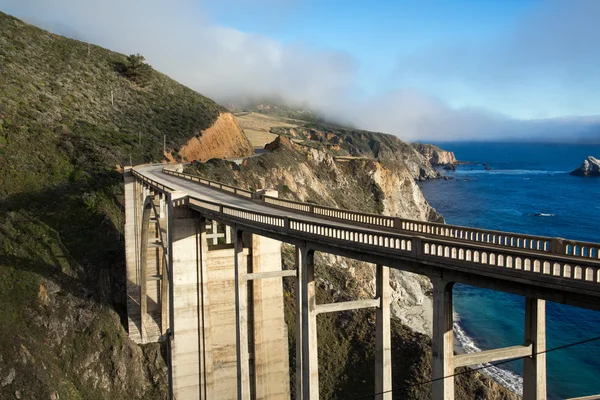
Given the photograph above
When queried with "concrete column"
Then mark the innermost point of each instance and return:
(185, 351)
(161, 205)
(227, 234)
(215, 238)
(132, 254)
(310, 359)
(442, 343)
(144, 277)
(241, 313)
(299, 326)
(268, 344)
(383, 344)
(205, 334)
(534, 367)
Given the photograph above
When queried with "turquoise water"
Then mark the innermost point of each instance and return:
(526, 179)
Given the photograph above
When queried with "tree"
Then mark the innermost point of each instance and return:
(136, 69)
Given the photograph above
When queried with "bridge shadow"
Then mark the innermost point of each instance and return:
(70, 234)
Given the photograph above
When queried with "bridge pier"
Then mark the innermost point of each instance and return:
(186, 357)
(241, 318)
(383, 345)
(442, 341)
(299, 324)
(310, 358)
(534, 366)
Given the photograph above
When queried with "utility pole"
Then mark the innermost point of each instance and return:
(164, 143)
(112, 98)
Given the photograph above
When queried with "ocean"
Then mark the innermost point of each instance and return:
(526, 179)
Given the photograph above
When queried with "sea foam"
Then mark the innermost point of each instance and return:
(504, 377)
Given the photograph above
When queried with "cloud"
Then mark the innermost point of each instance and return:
(179, 39)
(220, 62)
(545, 65)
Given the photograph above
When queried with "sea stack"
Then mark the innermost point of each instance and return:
(589, 167)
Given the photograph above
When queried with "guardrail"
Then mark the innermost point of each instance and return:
(498, 239)
(228, 188)
(151, 182)
(540, 244)
(521, 261)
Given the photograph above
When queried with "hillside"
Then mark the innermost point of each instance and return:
(68, 116)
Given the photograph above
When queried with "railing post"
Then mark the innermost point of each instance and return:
(557, 246)
(383, 343)
(416, 246)
(310, 367)
(534, 367)
(442, 343)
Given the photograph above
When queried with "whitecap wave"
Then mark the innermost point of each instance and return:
(507, 172)
(506, 378)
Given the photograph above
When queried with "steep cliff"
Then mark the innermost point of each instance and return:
(347, 339)
(224, 139)
(435, 155)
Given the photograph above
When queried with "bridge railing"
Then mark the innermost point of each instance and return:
(532, 243)
(151, 182)
(208, 182)
(520, 261)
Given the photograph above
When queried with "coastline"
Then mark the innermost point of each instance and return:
(420, 318)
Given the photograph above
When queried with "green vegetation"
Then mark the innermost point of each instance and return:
(69, 113)
(136, 69)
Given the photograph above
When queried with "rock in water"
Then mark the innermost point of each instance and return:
(589, 167)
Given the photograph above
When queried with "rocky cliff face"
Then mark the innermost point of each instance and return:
(346, 339)
(224, 139)
(589, 167)
(434, 154)
(342, 141)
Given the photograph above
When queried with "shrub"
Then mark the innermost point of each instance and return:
(136, 69)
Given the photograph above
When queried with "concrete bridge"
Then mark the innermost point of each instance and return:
(214, 290)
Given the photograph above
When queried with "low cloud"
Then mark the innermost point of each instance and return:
(177, 38)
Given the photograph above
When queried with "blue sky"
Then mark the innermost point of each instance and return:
(420, 69)
(376, 33)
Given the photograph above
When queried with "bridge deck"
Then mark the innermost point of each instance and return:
(541, 273)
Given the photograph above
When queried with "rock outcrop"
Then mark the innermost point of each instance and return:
(589, 167)
(224, 139)
(348, 142)
(435, 155)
